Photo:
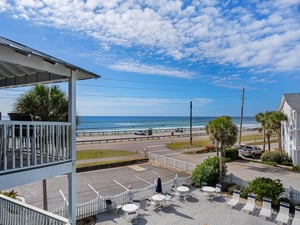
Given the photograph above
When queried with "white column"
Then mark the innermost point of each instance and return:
(72, 138)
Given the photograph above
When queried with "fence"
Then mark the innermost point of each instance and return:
(290, 193)
(180, 165)
(14, 212)
(100, 203)
(171, 162)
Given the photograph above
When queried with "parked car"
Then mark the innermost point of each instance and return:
(251, 151)
(140, 132)
(179, 130)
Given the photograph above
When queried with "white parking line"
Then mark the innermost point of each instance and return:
(121, 185)
(143, 180)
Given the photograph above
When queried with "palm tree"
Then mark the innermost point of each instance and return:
(263, 118)
(277, 118)
(45, 103)
(224, 132)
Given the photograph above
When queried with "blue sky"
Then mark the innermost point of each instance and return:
(157, 56)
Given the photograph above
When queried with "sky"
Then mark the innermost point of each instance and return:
(155, 57)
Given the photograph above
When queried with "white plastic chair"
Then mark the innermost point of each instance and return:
(296, 220)
(218, 189)
(266, 210)
(284, 213)
(250, 205)
(234, 201)
(132, 216)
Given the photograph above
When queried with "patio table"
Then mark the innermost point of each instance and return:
(129, 208)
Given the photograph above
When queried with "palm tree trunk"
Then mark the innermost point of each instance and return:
(220, 165)
(264, 139)
(269, 142)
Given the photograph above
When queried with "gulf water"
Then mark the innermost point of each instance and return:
(108, 123)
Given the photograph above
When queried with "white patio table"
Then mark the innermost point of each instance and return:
(129, 208)
(182, 189)
(158, 198)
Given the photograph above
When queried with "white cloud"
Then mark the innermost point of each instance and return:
(131, 66)
(260, 35)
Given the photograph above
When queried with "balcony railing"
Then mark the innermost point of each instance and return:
(13, 212)
(26, 145)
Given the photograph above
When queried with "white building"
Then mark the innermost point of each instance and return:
(36, 150)
(290, 105)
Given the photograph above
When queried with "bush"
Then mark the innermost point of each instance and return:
(208, 171)
(244, 192)
(270, 163)
(296, 168)
(232, 153)
(210, 147)
(11, 194)
(266, 187)
(232, 188)
(271, 156)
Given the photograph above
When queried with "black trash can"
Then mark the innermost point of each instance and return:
(109, 205)
(150, 131)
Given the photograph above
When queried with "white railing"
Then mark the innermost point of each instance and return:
(99, 204)
(171, 162)
(32, 144)
(14, 212)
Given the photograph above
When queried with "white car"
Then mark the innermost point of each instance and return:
(140, 132)
(250, 150)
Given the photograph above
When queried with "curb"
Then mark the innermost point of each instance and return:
(111, 165)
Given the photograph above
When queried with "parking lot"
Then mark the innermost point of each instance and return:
(106, 182)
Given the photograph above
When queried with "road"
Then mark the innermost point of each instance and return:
(113, 181)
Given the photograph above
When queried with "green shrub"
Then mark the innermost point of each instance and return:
(244, 192)
(296, 168)
(270, 163)
(207, 171)
(271, 156)
(266, 187)
(232, 153)
(11, 194)
(232, 188)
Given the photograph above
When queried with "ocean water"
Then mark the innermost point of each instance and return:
(113, 123)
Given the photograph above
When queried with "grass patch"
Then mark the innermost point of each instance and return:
(186, 144)
(101, 153)
(260, 142)
(100, 163)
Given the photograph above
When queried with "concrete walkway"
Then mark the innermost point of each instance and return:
(197, 209)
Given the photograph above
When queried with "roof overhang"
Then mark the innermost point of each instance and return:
(21, 66)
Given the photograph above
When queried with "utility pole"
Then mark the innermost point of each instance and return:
(191, 121)
(241, 118)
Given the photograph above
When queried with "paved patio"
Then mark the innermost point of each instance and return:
(197, 209)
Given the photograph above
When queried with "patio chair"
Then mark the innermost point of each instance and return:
(132, 216)
(218, 189)
(234, 201)
(296, 220)
(116, 207)
(203, 184)
(250, 205)
(266, 210)
(143, 204)
(283, 215)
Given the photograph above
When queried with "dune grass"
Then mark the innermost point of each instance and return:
(101, 153)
